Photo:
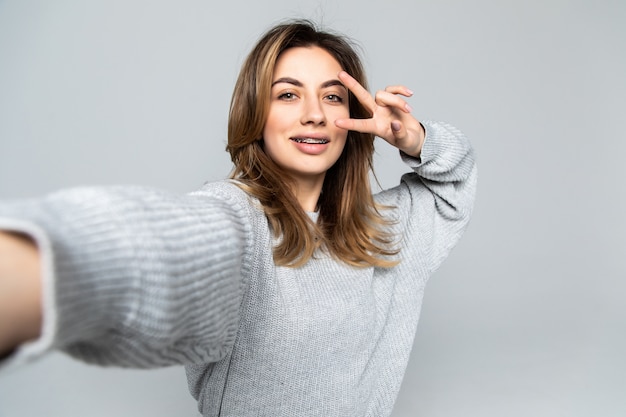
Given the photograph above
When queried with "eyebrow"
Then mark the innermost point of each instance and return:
(297, 83)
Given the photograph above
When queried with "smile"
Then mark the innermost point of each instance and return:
(311, 141)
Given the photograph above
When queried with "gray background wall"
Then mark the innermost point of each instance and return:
(527, 317)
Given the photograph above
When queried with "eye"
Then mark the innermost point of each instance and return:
(334, 98)
(287, 96)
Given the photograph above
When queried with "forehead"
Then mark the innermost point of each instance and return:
(307, 62)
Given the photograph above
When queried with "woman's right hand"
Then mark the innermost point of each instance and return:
(20, 291)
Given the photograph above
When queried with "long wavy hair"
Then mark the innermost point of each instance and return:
(349, 225)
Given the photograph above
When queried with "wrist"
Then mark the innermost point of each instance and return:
(416, 150)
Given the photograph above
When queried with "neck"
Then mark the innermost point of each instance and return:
(308, 192)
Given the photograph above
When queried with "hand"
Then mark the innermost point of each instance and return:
(391, 117)
(20, 291)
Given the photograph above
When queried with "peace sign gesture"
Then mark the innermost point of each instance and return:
(391, 116)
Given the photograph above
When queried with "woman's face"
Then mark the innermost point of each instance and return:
(306, 98)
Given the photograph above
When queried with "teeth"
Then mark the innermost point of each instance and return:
(310, 140)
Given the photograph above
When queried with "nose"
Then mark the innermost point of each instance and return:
(313, 113)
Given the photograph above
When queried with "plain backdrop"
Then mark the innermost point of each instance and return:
(528, 315)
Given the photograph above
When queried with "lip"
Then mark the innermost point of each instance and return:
(319, 136)
(311, 148)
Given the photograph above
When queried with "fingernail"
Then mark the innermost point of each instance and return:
(408, 108)
(409, 92)
(395, 126)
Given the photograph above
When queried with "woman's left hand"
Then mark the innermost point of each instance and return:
(390, 119)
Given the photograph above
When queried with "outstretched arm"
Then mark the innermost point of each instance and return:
(129, 276)
(20, 291)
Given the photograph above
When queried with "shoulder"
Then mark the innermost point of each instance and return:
(224, 187)
(225, 190)
(234, 196)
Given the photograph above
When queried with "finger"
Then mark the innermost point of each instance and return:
(384, 98)
(361, 94)
(358, 125)
(399, 89)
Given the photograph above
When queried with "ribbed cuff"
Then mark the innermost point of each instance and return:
(32, 350)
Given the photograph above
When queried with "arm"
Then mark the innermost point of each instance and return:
(446, 167)
(137, 277)
(20, 291)
(435, 201)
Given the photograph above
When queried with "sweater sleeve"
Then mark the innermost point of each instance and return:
(434, 202)
(136, 277)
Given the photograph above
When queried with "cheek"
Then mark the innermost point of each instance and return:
(270, 124)
(272, 137)
(336, 114)
(343, 145)
(279, 121)
(337, 131)
(342, 113)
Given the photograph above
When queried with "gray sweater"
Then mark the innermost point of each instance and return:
(136, 277)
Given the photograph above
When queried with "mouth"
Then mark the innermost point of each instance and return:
(312, 141)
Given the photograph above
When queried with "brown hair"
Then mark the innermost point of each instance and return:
(349, 225)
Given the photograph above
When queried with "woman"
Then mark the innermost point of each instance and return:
(286, 290)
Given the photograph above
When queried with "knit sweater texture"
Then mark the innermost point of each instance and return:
(137, 277)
